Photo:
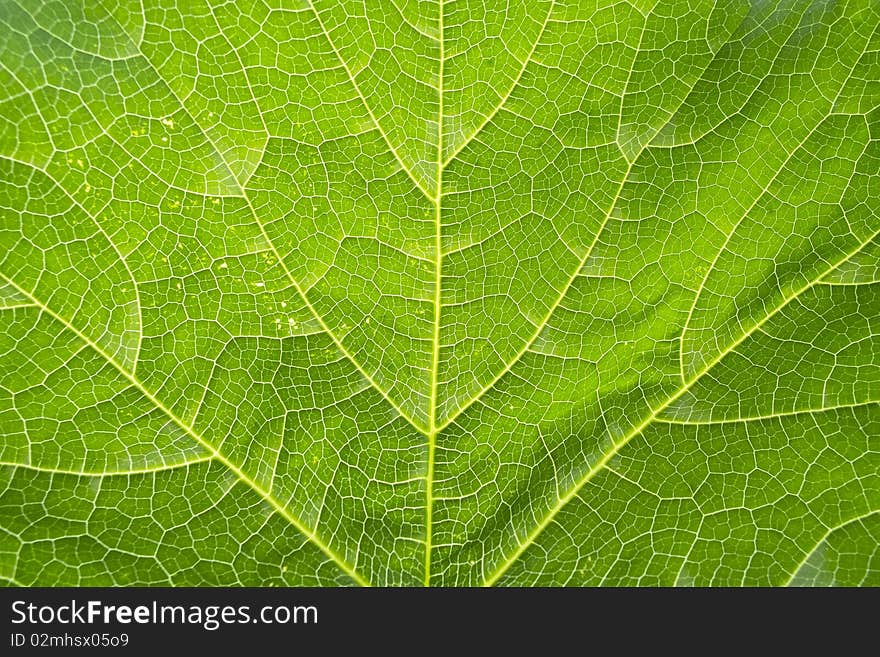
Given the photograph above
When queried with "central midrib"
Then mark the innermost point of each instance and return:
(433, 427)
(438, 288)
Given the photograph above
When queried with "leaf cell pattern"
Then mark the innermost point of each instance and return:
(453, 292)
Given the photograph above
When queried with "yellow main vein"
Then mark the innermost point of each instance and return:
(435, 358)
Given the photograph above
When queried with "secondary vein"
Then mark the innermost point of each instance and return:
(276, 505)
(648, 421)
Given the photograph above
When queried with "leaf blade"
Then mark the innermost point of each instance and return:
(555, 293)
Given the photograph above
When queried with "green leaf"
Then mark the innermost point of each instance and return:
(448, 292)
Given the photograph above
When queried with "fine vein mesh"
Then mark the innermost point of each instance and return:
(447, 293)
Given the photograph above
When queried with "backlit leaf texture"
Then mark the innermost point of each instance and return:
(443, 292)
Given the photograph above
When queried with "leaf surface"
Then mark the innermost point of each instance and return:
(450, 292)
